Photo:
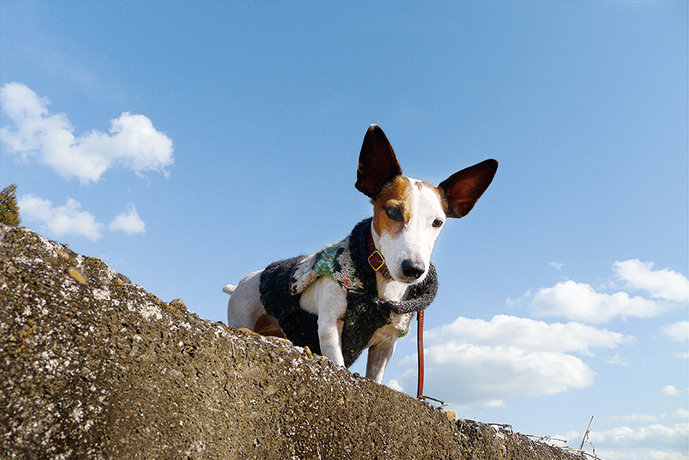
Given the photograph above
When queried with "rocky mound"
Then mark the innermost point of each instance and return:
(93, 366)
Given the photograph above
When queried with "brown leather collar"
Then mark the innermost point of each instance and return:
(376, 259)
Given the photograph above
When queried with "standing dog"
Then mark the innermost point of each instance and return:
(362, 292)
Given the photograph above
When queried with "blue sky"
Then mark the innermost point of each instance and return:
(189, 143)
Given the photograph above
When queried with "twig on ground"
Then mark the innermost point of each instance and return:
(546, 438)
(586, 435)
(424, 398)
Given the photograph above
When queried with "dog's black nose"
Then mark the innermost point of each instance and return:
(412, 269)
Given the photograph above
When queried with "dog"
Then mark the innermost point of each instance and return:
(362, 292)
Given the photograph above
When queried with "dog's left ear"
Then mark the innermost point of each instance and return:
(462, 189)
(378, 163)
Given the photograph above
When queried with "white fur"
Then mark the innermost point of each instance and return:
(244, 306)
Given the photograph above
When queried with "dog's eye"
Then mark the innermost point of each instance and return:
(438, 223)
(393, 213)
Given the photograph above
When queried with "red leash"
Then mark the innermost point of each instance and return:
(419, 345)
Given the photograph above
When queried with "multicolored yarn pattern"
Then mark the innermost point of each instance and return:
(333, 261)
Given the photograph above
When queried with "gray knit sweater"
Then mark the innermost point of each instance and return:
(347, 262)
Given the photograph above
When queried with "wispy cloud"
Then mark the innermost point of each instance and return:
(617, 360)
(518, 302)
(632, 418)
(528, 334)
(671, 390)
(557, 265)
(395, 385)
(490, 362)
(671, 439)
(60, 220)
(663, 284)
(132, 141)
(128, 222)
(682, 414)
(677, 332)
(71, 219)
(580, 301)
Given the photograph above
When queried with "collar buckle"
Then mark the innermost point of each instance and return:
(376, 265)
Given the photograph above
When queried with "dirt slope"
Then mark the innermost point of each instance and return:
(92, 366)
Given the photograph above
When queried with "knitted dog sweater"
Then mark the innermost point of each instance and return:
(347, 262)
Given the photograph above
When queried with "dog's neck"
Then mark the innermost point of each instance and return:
(391, 289)
(388, 287)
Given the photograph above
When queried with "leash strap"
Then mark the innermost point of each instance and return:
(419, 345)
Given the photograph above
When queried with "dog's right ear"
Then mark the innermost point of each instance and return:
(462, 189)
(378, 163)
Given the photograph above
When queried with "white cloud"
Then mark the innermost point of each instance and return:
(579, 301)
(557, 265)
(395, 385)
(491, 375)
(617, 360)
(681, 413)
(132, 142)
(632, 418)
(477, 362)
(677, 332)
(664, 284)
(528, 334)
(128, 222)
(71, 219)
(60, 220)
(636, 453)
(642, 437)
(518, 302)
(671, 390)
(660, 438)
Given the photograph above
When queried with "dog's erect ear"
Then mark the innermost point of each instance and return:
(378, 163)
(462, 189)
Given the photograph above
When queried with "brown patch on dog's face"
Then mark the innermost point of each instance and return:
(392, 207)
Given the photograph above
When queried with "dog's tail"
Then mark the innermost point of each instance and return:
(229, 289)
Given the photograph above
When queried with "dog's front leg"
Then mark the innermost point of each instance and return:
(379, 355)
(328, 300)
(330, 337)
